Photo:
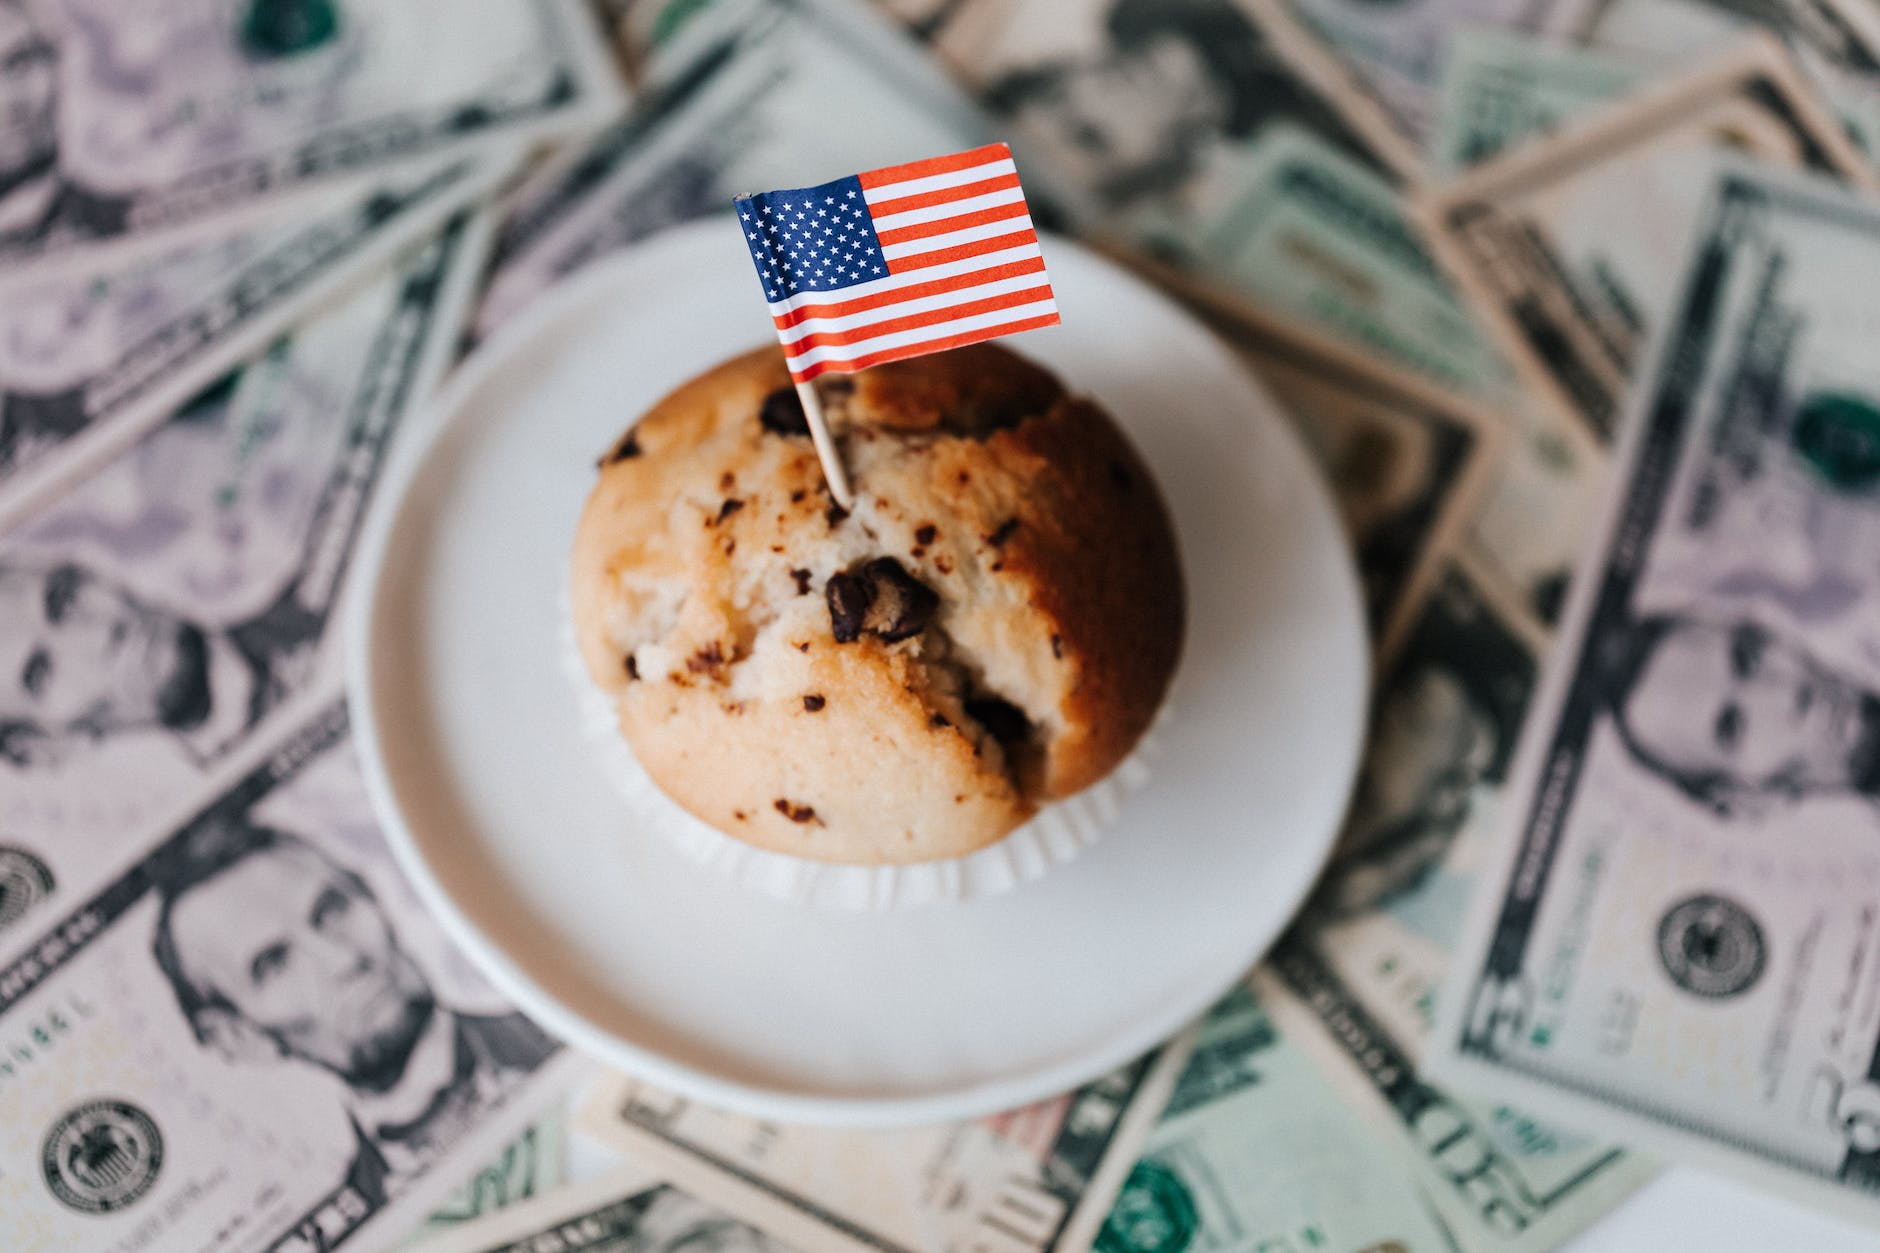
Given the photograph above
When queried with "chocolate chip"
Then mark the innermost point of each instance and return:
(633, 667)
(900, 604)
(802, 581)
(1057, 646)
(836, 515)
(795, 813)
(628, 447)
(796, 497)
(739, 814)
(997, 538)
(882, 598)
(727, 509)
(782, 413)
(814, 704)
(848, 598)
(1005, 721)
(926, 534)
(938, 721)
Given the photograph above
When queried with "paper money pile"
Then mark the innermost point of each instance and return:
(1574, 299)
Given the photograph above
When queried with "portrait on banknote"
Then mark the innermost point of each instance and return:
(159, 613)
(276, 952)
(1145, 105)
(30, 189)
(290, 1042)
(116, 629)
(1442, 733)
(1733, 715)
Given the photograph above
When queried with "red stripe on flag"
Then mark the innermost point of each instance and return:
(913, 291)
(927, 199)
(935, 165)
(925, 346)
(958, 222)
(960, 252)
(888, 326)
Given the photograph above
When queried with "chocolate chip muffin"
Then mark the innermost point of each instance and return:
(991, 628)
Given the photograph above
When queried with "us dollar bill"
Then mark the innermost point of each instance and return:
(627, 1210)
(1568, 246)
(1402, 52)
(1257, 1151)
(1407, 461)
(1319, 237)
(533, 1164)
(751, 112)
(250, 1035)
(1355, 979)
(158, 615)
(1539, 504)
(1031, 1179)
(1837, 43)
(130, 125)
(661, 41)
(90, 362)
(1497, 1177)
(1141, 116)
(1500, 89)
(1677, 939)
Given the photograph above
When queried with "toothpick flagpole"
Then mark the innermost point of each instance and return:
(825, 447)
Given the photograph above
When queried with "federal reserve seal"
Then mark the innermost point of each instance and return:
(102, 1156)
(1711, 946)
(1154, 1213)
(24, 882)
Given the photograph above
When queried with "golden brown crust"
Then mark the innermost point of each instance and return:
(706, 552)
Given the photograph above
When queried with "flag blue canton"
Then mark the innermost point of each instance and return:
(811, 239)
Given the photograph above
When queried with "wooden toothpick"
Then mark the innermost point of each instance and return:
(825, 447)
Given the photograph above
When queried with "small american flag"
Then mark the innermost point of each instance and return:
(897, 262)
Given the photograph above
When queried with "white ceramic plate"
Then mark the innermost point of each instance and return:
(499, 810)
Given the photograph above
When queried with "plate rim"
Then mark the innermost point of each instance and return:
(975, 1098)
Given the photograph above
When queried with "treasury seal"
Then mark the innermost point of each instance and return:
(1154, 1213)
(1711, 946)
(102, 1156)
(24, 882)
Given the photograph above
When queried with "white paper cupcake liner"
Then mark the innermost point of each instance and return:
(1054, 836)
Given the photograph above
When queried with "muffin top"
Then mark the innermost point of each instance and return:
(993, 626)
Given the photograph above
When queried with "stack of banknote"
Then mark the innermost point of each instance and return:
(1575, 300)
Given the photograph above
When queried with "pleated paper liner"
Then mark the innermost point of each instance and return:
(1057, 834)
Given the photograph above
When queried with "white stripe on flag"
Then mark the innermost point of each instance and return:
(926, 274)
(950, 209)
(933, 243)
(924, 304)
(939, 182)
(899, 339)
